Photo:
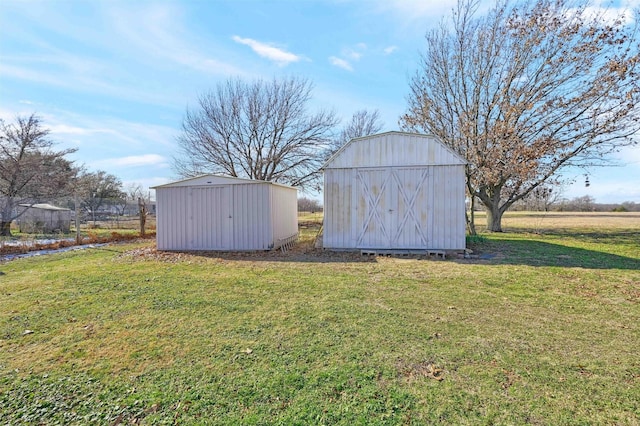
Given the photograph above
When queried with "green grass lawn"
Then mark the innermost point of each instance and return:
(541, 329)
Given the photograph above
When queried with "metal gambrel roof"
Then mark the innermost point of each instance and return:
(391, 149)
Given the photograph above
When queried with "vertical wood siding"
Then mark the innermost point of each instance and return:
(340, 212)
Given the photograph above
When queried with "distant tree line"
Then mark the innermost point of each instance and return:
(306, 204)
(585, 203)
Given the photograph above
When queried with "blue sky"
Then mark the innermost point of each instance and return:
(114, 78)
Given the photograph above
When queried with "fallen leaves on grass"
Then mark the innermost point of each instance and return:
(298, 253)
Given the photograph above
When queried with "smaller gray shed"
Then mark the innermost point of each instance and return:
(212, 212)
(43, 218)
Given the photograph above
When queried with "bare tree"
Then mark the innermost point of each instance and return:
(526, 91)
(30, 170)
(134, 192)
(363, 123)
(98, 189)
(260, 130)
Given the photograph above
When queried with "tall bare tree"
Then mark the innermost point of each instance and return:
(526, 91)
(30, 170)
(260, 130)
(363, 123)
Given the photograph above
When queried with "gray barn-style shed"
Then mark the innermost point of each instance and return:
(222, 213)
(394, 191)
(44, 218)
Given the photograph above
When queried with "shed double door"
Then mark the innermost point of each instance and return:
(393, 208)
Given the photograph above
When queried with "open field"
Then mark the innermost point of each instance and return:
(565, 222)
(542, 328)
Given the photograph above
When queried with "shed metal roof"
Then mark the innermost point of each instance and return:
(212, 179)
(44, 206)
(393, 149)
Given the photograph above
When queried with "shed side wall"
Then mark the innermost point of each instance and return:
(251, 217)
(284, 216)
(448, 197)
(171, 218)
(339, 227)
(43, 220)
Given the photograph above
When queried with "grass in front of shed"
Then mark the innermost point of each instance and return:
(544, 331)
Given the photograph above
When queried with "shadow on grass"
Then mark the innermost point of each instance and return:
(521, 250)
(569, 249)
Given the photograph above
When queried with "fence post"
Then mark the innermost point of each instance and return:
(77, 206)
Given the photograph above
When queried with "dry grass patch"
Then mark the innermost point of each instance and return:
(568, 222)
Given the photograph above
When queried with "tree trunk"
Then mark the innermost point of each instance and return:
(143, 216)
(471, 217)
(494, 218)
(5, 229)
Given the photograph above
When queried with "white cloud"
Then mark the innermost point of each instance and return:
(67, 78)
(389, 50)
(352, 54)
(266, 50)
(64, 129)
(349, 55)
(340, 63)
(108, 134)
(147, 35)
(133, 161)
(162, 34)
